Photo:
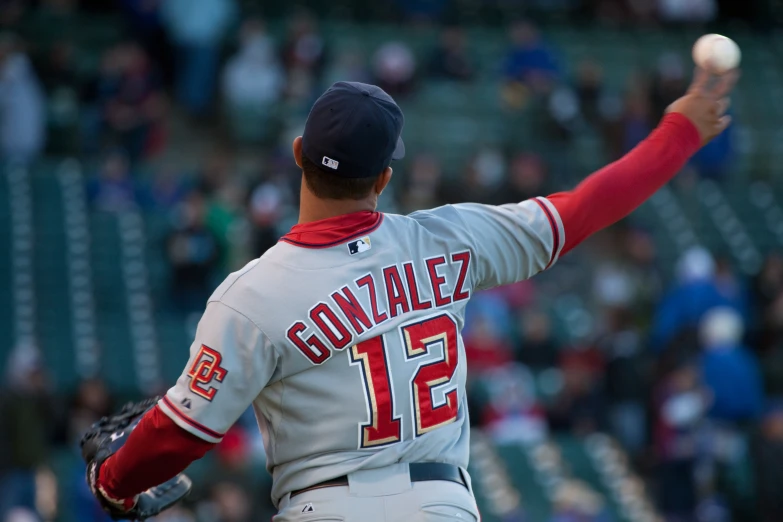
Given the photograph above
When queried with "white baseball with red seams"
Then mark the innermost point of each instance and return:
(716, 53)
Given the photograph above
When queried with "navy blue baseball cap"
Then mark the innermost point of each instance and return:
(353, 131)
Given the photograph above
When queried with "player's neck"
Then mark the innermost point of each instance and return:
(312, 208)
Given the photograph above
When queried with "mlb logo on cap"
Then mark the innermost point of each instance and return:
(329, 162)
(359, 246)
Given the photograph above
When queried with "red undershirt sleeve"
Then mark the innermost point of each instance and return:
(155, 451)
(610, 194)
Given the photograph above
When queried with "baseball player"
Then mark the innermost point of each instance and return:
(345, 336)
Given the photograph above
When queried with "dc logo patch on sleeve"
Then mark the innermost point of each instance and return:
(360, 245)
(206, 370)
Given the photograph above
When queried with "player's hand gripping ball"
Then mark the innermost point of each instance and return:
(707, 100)
(716, 53)
(104, 439)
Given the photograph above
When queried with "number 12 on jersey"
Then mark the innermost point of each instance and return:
(384, 428)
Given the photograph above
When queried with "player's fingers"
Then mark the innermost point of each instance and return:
(724, 84)
(701, 79)
(722, 124)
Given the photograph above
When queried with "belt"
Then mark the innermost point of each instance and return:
(420, 472)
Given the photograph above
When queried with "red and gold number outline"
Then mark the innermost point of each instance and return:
(384, 428)
(418, 337)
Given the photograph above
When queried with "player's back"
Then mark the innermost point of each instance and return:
(346, 337)
(371, 366)
(365, 313)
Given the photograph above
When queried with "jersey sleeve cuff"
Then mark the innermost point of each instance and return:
(186, 423)
(556, 225)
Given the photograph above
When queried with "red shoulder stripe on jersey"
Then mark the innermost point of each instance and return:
(555, 231)
(333, 231)
(190, 421)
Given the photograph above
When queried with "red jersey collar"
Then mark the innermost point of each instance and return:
(333, 231)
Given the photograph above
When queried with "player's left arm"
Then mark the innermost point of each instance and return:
(231, 361)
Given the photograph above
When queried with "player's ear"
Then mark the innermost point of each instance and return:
(383, 180)
(297, 147)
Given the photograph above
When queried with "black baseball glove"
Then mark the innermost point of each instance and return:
(104, 439)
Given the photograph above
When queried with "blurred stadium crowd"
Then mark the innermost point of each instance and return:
(185, 110)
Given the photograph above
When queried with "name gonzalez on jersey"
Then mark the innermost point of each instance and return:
(328, 323)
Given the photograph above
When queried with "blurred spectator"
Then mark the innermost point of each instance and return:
(537, 347)
(304, 56)
(529, 60)
(266, 208)
(715, 160)
(598, 106)
(394, 68)
(197, 30)
(695, 293)
(730, 284)
(512, 413)
(129, 101)
(450, 60)
(681, 403)
(253, 77)
(22, 105)
(144, 21)
(423, 188)
(629, 279)
(253, 80)
(589, 90)
(58, 67)
(486, 348)
(687, 10)
(482, 181)
(668, 84)
(562, 118)
(234, 451)
(526, 178)
(636, 122)
(579, 406)
(63, 82)
(91, 402)
(490, 305)
(165, 190)
(767, 288)
(218, 183)
(193, 251)
(27, 417)
(768, 463)
(627, 380)
(216, 172)
(730, 371)
(228, 502)
(113, 189)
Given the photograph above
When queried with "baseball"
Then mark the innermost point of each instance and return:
(716, 53)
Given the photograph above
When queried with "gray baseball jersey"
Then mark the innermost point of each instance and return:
(345, 337)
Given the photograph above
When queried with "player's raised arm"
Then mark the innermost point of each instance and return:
(516, 241)
(230, 362)
(615, 191)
